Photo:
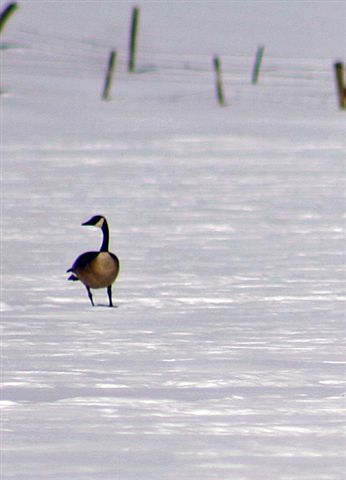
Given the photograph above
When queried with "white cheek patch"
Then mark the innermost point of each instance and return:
(99, 223)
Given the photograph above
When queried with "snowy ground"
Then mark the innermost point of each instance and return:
(225, 356)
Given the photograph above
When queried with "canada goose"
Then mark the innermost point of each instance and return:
(97, 269)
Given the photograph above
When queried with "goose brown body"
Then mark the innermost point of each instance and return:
(99, 272)
(97, 269)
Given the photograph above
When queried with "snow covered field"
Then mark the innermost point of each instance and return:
(225, 356)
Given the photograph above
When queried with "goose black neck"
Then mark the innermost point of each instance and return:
(105, 242)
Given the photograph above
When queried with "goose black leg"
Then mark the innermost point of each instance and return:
(90, 296)
(109, 291)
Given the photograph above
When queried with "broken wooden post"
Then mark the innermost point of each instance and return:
(219, 86)
(6, 13)
(109, 75)
(133, 40)
(340, 83)
(257, 65)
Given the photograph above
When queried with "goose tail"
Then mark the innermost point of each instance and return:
(73, 278)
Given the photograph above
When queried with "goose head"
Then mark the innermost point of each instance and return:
(95, 221)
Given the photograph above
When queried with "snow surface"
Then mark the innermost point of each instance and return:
(225, 356)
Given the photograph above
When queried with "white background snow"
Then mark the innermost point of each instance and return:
(225, 356)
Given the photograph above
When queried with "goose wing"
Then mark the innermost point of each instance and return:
(83, 261)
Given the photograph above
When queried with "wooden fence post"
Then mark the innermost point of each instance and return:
(6, 13)
(219, 86)
(133, 40)
(257, 65)
(340, 83)
(109, 75)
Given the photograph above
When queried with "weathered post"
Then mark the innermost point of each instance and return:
(109, 75)
(340, 83)
(6, 13)
(257, 65)
(219, 86)
(133, 40)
